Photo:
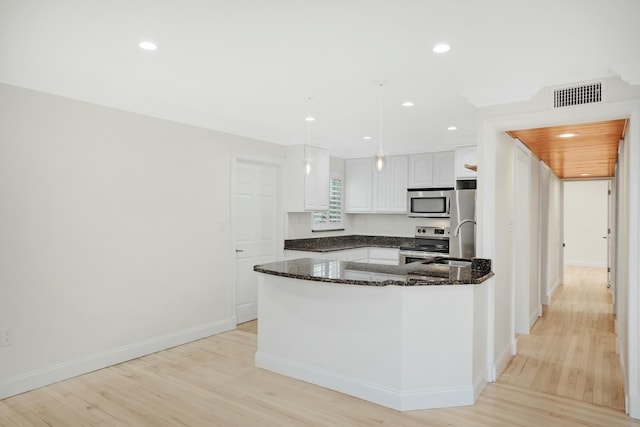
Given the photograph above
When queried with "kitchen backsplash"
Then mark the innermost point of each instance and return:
(299, 225)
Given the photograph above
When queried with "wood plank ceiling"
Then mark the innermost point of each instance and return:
(591, 153)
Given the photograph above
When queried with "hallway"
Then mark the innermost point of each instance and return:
(571, 349)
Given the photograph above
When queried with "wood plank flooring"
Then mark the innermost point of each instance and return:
(213, 382)
(571, 349)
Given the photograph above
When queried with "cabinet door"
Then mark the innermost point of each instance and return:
(316, 184)
(421, 170)
(390, 194)
(444, 169)
(399, 183)
(358, 180)
(389, 256)
(466, 156)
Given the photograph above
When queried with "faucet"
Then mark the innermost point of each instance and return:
(457, 230)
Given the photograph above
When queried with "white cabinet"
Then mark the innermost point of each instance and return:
(466, 156)
(355, 255)
(443, 169)
(373, 255)
(359, 185)
(390, 186)
(306, 192)
(421, 170)
(431, 170)
(390, 256)
(370, 191)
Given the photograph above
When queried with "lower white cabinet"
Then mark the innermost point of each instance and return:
(388, 256)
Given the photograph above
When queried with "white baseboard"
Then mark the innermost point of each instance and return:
(585, 263)
(399, 400)
(479, 384)
(533, 318)
(553, 290)
(62, 371)
(503, 360)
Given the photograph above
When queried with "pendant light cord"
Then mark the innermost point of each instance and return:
(380, 119)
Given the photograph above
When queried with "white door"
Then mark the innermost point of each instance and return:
(255, 231)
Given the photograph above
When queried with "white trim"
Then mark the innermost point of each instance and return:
(533, 317)
(503, 360)
(553, 290)
(585, 263)
(62, 371)
(381, 395)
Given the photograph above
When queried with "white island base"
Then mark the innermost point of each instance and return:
(403, 347)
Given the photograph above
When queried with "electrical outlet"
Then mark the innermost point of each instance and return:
(6, 336)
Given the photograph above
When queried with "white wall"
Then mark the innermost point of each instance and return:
(114, 234)
(586, 222)
(504, 338)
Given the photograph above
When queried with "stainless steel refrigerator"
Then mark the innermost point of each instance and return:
(462, 240)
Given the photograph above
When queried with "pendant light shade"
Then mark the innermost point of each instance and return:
(380, 159)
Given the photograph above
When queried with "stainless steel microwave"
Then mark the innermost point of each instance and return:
(428, 202)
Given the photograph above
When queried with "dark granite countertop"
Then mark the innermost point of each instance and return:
(339, 243)
(422, 273)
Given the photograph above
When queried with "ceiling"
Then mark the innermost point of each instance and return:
(580, 151)
(249, 67)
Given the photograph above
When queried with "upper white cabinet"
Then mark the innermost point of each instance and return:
(390, 186)
(432, 170)
(421, 170)
(370, 191)
(359, 185)
(306, 192)
(466, 156)
(443, 169)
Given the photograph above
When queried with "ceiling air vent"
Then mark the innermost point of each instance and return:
(578, 95)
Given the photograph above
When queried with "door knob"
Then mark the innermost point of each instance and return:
(239, 250)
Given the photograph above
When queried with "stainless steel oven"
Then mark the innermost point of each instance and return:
(429, 242)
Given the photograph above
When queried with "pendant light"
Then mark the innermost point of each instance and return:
(380, 159)
(308, 160)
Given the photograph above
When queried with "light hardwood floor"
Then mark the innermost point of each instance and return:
(571, 349)
(213, 382)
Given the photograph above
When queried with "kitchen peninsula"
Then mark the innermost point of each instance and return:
(406, 337)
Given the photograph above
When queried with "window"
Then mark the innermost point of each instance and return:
(331, 219)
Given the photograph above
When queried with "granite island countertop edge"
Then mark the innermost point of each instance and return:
(406, 275)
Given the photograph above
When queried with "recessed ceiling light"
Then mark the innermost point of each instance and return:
(310, 119)
(567, 135)
(408, 104)
(147, 45)
(452, 128)
(585, 174)
(441, 48)
(366, 138)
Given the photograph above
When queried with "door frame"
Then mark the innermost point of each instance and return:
(266, 160)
